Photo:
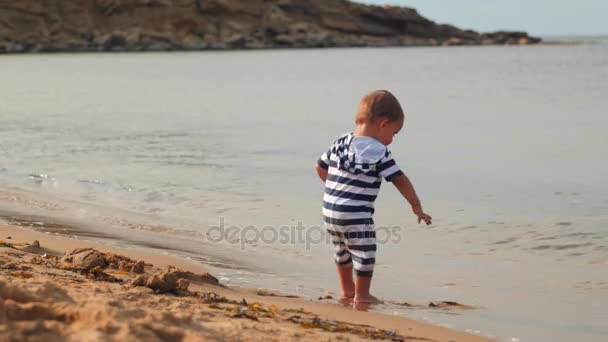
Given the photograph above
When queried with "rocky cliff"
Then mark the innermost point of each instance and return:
(154, 25)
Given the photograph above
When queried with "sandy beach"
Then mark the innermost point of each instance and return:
(65, 289)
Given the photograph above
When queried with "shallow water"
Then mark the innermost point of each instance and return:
(504, 144)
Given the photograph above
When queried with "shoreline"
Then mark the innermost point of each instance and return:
(353, 323)
(574, 41)
(287, 48)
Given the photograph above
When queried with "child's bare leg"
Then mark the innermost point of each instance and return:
(345, 273)
(362, 295)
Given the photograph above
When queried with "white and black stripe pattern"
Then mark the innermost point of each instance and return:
(356, 166)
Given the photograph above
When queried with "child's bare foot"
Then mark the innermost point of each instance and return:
(369, 299)
(347, 299)
(364, 303)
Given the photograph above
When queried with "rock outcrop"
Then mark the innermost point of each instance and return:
(84, 258)
(155, 25)
(172, 280)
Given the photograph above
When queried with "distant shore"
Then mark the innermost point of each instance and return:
(159, 25)
(96, 292)
(211, 50)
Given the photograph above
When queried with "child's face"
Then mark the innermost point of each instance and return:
(388, 129)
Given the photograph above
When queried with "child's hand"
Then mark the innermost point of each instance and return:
(422, 216)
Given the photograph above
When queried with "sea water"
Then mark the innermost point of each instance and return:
(210, 155)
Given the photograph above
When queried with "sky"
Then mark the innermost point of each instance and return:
(537, 17)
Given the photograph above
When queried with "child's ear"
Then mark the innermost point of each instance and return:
(384, 122)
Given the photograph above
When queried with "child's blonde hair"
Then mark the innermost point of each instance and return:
(379, 104)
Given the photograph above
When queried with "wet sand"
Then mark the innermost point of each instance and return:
(46, 297)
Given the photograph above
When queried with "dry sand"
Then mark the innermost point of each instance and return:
(102, 295)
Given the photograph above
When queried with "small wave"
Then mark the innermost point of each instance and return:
(50, 226)
(579, 235)
(562, 247)
(509, 240)
(106, 185)
(142, 136)
(127, 188)
(547, 238)
(469, 227)
(194, 164)
(91, 181)
(179, 156)
(271, 152)
(496, 222)
(40, 177)
(30, 202)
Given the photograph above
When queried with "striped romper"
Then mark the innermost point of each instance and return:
(355, 166)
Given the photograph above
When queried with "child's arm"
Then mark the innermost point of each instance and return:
(405, 187)
(321, 172)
